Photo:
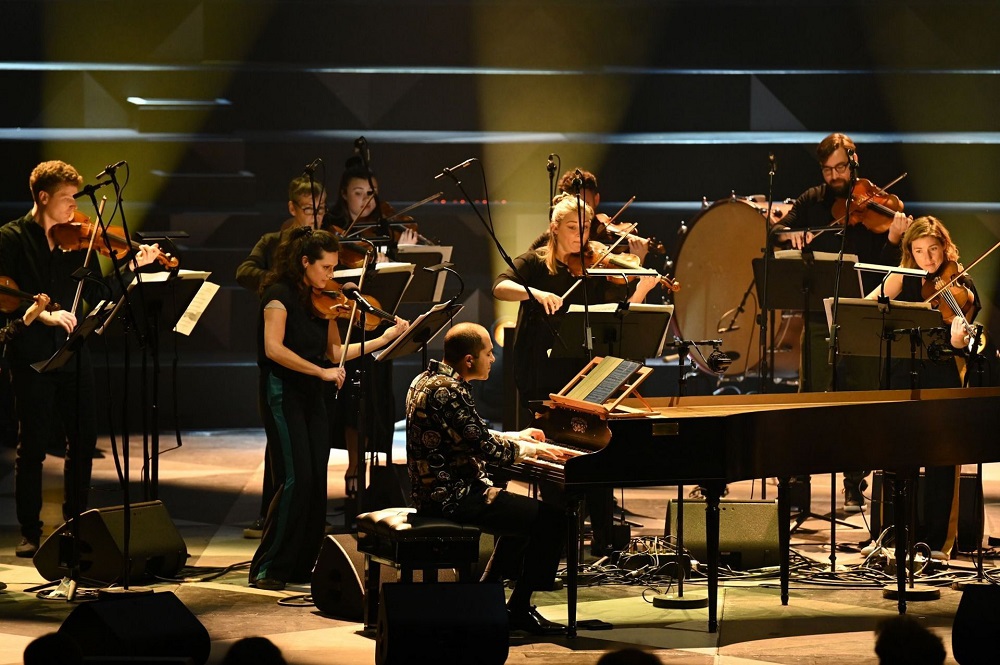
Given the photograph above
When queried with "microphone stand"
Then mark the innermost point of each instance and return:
(765, 370)
(488, 226)
(835, 348)
(588, 342)
(552, 168)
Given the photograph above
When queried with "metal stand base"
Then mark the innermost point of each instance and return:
(915, 592)
(689, 601)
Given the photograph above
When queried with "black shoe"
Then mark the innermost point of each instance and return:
(268, 584)
(255, 530)
(27, 547)
(530, 621)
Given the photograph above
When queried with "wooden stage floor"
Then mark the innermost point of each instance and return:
(211, 488)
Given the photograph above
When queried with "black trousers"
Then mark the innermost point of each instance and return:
(529, 532)
(48, 405)
(296, 518)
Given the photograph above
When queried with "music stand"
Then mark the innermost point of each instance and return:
(386, 283)
(804, 281)
(423, 329)
(69, 552)
(799, 282)
(622, 330)
(426, 287)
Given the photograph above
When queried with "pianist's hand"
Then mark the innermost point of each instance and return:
(531, 433)
(553, 453)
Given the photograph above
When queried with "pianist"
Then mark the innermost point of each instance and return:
(447, 446)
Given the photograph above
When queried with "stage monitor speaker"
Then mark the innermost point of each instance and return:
(336, 581)
(973, 633)
(748, 532)
(133, 627)
(453, 623)
(156, 548)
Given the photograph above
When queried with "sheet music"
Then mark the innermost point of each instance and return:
(602, 381)
(187, 321)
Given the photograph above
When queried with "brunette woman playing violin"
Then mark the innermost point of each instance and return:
(536, 372)
(294, 345)
(307, 206)
(29, 255)
(927, 245)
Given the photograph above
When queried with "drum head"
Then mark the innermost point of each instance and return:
(714, 267)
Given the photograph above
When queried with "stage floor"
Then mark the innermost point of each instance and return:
(211, 488)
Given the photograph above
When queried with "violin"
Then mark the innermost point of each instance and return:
(954, 300)
(11, 297)
(75, 235)
(870, 205)
(598, 255)
(607, 230)
(331, 302)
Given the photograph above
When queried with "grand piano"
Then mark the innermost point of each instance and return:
(715, 440)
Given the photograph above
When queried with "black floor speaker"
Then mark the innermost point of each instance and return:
(452, 624)
(337, 589)
(155, 547)
(134, 627)
(748, 532)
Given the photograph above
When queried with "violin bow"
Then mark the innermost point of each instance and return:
(413, 206)
(620, 211)
(963, 272)
(882, 190)
(601, 257)
(90, 250)
(354, 311)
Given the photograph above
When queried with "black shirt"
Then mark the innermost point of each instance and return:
(814, 208)
(26, 258)
(305, 334)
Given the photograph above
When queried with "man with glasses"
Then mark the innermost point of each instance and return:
(812, 210)
(307, 207)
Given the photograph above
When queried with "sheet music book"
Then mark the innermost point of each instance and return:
(604, 380)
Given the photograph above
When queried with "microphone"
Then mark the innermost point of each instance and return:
(852, 159)
(110, 169)
(351, 291)
(311, 166)
(361, 149)
(456, 167)
(774, 164)
(551, 166)
(578, 180)
(90, 189)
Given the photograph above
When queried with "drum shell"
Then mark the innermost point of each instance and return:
(714, 265)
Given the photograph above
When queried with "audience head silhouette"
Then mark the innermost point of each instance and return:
(52, 648)
(901, 640)
(629, 656)
(253, 651)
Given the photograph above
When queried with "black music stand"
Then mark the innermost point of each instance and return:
(69, 547)
(386, 283)
(800, 284)
(423, 329)
(426, 287)
(803, 282)
(635, 331)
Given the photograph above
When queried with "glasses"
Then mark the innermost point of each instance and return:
(309, 210)
(839, 169)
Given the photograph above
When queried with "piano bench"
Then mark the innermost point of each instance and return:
(400, 538)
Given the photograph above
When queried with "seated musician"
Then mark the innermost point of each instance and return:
(927, 245)
(447, 446)
(548, 274)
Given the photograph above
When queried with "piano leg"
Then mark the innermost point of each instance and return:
(784, 533)
(572, 560)
(713, 493)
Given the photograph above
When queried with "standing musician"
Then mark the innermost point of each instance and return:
(307, 206)
(30, 256)
(813, 209)
(293, 346)
(357, 204)
(585, 185)
(547, 273)
(447, 446)
(927, 245)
